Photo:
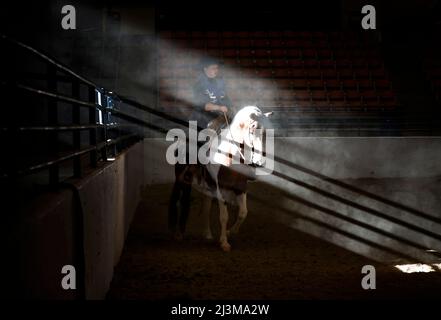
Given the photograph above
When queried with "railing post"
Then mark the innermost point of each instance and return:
(105, 123)
(110, 120)
(54, 172)
(76, 133)
(93, 131)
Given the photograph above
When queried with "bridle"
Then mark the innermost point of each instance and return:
(234, 141)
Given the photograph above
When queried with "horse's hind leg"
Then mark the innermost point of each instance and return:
(173, 207)
(243, 211)
(205, 212)
(223, 217)
(185, 207)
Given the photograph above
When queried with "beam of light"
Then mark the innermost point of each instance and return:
(178, 68)
(418, 267)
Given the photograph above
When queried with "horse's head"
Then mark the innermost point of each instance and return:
(248, 127)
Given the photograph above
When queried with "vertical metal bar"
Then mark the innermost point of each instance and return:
(76, 133)
(92, 132)
(54, 172)
(105, 123)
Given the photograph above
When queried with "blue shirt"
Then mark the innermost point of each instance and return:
(208, 90)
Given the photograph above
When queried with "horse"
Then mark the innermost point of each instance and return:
(222, 178)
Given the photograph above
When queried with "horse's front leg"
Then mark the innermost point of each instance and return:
(243, 211)
(223, 217)
(205, 212)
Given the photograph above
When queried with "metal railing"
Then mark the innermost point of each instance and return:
(110, 127)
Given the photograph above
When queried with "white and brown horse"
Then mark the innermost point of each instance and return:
(230, 167)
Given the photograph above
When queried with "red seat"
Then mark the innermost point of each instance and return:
(296, 63)
(263, 63)
(359, 63)
(258, 34)
(316, 84)
(275, 34)
(378, 73)
(353, 98)
(279, 53)
(230, 53)
(181, 34)
(227, 34)
(213, 43)
(292, 43)
(302, 95)
(299, 84)
(343, 63)
(330, 74)
(244, 43)
(365, 84)
(279, 62)
(370, 98)
(319, 95)
(327, 64)
(277, 43)
(262, 53)
(228, 43)
(337, 97)
(198, 43)
(332, 84)
(242, 34)
(321, 44)
(325, 54)
(264, 73)
(247, 63)
(294, 53)
(245, 53)
(375, 63)
(214, 52)
(346, 74)
(388, 98)
(296, 74)
(314, 64)
(309, 54)
(231, 62)
(382, 84)
(260, 43)
(284, 83)
(314, 74)
(212, 34)
(286, 95)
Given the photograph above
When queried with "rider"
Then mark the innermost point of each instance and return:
(211, 106)
(210, 99)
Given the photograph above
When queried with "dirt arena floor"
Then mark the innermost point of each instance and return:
(269, 260)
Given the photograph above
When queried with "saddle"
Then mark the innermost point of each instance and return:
(217, 124)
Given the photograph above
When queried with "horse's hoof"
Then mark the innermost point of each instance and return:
(208, 236)
(226, 247)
